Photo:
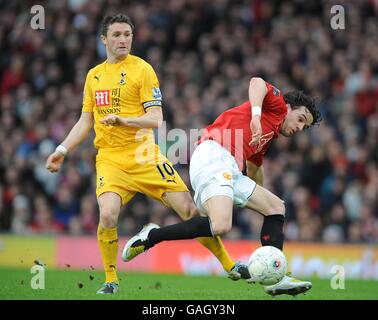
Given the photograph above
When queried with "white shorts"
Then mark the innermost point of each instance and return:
(214, 172)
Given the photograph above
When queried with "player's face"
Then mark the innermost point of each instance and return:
(296, 120)
(118, 40)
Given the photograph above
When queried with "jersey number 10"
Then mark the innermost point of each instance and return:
(164, 169)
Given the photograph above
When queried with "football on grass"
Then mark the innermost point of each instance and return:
(267, 265)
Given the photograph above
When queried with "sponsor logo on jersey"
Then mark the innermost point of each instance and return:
(105, 111)
(264, 139)
(102, 98)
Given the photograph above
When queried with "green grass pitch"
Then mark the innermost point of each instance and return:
(82, 285)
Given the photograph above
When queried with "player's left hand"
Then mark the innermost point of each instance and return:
(256, 130)
(111, 120)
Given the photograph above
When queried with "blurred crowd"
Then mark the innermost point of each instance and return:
(204, 53)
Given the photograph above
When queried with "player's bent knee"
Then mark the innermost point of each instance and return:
(189, 212)
(278, 207)
(220, 229)
(193, 212)
(108, 218)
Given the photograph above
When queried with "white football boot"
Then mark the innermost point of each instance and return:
(288, 285)
(137, 244)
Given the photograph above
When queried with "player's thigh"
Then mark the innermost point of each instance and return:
(112, 179)
(211, 161)
(156, 180)
(215, 199)
(243, 189)
(265, 202)
(182, 203)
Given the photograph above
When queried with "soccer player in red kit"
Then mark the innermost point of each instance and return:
(240, 135)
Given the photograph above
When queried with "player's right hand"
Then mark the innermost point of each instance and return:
(54, 161)
(256, 130)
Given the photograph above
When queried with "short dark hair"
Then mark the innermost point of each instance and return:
(108, 20)
(297, 99)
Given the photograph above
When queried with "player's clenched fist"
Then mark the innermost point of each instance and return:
(256, 130)
(111, 120)
(54, 161)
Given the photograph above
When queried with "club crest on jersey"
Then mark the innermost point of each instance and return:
(227, 175)
(122, 81)
(101, 182)
(156, 93)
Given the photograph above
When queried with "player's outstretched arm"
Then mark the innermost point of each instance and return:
(151, 119)
(77, 134)
(256, 92)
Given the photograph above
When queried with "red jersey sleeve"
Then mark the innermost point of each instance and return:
(273, 99)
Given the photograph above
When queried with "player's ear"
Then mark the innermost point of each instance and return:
(288, 106)
(103, 39)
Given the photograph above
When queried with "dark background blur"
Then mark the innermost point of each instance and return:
(204, 53)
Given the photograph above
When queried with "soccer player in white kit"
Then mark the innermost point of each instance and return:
(239, 136)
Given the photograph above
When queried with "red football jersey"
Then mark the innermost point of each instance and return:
(232, 128)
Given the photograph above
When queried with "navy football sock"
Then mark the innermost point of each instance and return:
(190, 229)
(272, 231)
